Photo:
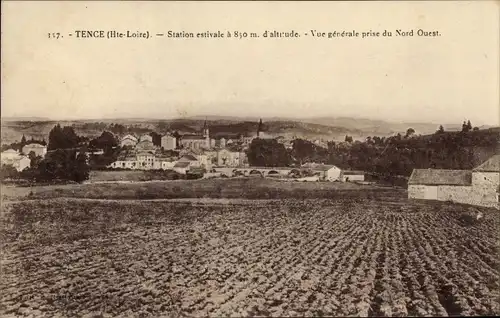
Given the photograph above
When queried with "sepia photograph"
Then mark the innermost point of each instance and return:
(250, 159)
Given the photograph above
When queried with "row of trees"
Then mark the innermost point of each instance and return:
(397, 155)
(59, 165)
(64, 161)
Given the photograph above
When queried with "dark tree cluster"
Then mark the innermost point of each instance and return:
(398, 155)
(63, 162)
(66, 165)
(268, 153)
(106, 141)
(304, 151)
(156, 138)
(58, 165)
(63, 138)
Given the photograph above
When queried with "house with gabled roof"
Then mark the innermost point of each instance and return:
(478, 187)
(128, 140)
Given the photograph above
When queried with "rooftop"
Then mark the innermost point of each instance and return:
(440, 177)
(34, 145)
(353, 172)
(490, 165)
(188, 158)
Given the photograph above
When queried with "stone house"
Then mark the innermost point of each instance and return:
(164, 164)
(168, 142)
(352, 176)
(39, 150)
(328, 172)
(195, 142)
(125, 162)
(128, 140)
(146, 137)
(228, 158)
(145, 160)
(181, 167)
(325, 172)
(15, 159)
(477, 187)
(145, 145)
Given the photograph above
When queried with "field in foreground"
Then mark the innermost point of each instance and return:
(268, 258)
(247, 188)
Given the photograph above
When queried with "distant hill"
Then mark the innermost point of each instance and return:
(329, 128)
(380, 127)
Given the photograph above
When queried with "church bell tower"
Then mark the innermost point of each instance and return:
(206, 134)
(259, 129)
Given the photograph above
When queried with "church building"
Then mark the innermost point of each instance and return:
(197, 141)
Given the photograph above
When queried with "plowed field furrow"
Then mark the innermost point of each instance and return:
(289, 257)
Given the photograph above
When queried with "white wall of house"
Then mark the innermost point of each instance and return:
(333, 174)
(168, 142)
(9, 154)
(163, 164)
(146, 137)
(486, 179)
(23, 163)
(416, 191)
(353, 177)
(38, 149)
(125, 164)
(182, 170)
(455, 193)
(128, 142)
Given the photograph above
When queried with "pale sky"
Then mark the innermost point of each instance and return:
(435, 79)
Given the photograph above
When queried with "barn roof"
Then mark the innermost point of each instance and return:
(323, 167)
(490, 165)
(440, 177)
(353, 172)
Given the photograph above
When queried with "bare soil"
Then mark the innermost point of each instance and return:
(288, 257)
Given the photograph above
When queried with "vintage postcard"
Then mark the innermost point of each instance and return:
(254, 158)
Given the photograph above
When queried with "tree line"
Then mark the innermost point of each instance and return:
(64, 161)
(394, 156)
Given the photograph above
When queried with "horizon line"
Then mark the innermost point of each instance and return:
(195, 117)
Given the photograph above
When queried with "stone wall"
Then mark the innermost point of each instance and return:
(455, 193)
(486, 179)
(416, 191)
(474, 195)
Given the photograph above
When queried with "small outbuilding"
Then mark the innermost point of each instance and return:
(352, 176)
(432, 184)
(478, 187)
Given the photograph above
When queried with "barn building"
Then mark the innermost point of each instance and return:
(478, 187)
(352, 176)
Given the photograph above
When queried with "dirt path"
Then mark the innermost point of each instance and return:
(218, 201)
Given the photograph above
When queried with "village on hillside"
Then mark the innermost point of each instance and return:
(204, 155)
